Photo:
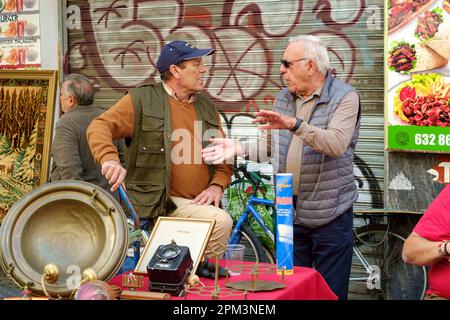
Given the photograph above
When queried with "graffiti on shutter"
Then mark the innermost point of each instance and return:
(116, 44)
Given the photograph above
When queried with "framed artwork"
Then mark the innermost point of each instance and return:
(192, 233)
(27, 106)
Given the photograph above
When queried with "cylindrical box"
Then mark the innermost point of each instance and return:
(285, 220)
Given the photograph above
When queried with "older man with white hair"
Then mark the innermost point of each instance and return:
(314, 129)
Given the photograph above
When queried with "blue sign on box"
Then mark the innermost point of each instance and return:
(285, 220)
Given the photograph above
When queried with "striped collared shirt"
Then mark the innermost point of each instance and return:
(172, 93)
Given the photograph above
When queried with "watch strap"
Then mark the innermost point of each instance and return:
(298, 123)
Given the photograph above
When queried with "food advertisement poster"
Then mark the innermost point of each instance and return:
(20, 43)
(418, 76)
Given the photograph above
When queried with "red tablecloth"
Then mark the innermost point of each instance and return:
(304, 284)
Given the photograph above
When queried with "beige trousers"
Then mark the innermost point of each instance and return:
(222, 228)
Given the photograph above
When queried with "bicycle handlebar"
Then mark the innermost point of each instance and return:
(243, 169)
(251, 176)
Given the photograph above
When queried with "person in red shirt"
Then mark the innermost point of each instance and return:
(429, 245)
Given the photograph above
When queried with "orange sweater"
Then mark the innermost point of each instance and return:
(189, 173)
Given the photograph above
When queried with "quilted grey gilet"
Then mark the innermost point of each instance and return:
(327, 184)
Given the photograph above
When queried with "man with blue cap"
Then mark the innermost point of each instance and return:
(169, 123)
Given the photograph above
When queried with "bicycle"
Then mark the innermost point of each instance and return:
(249, 186)
(138, 234)
(377, 262)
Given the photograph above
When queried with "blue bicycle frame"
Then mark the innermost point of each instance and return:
(250, 209)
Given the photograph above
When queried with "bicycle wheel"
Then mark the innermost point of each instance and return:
(270, 255)
(383, 250)
(254, 250)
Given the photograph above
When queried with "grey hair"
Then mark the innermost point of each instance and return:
(80, 87)
(314, 49)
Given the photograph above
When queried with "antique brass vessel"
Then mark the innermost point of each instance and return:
(58, 231)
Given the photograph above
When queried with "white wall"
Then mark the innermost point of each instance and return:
(51, 39)
(50, 35)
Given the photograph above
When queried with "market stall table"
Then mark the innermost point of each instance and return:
(304, 284)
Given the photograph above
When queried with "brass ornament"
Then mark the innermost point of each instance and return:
(74, 227)
(50, 275)
(255, 285)
(89, 275)
(215, 292)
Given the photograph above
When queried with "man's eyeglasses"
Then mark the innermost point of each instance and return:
(287, 64)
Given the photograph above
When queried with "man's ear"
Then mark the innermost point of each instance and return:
(174, 70)
(72, 101)
(311, 67)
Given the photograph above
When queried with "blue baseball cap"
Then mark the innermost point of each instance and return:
(176, 51)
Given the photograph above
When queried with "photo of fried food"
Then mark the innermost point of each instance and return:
(12, 57)
(10, 6)
(11, 31)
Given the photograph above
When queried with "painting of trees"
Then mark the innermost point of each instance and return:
(27, 100)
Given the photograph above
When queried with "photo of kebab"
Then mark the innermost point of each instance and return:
(12, 57)
(424, 101)
(441, 40)
(401, 12)
(402, 57)
(428, 24)
(10, 6)
(405, 57)
(11, 31)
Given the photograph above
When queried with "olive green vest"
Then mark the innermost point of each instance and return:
(148, 158)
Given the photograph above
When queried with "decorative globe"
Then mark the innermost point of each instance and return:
(94, 290)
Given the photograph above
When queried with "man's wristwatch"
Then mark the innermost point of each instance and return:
(298, 123)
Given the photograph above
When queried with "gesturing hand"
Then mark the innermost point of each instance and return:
(222, 150)
(114, 173)
(212, 194)
(273, 120)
